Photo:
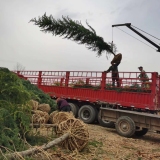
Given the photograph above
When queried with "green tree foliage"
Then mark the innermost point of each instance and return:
(75, 31)
(15, 112)
(38, 94)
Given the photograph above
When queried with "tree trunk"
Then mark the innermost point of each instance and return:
(37, 149)
(41, 125)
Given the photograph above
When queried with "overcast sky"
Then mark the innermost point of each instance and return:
(23, 42)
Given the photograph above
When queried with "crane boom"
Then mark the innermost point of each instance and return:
(141, 35)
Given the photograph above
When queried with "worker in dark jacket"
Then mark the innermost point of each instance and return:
(115, 74)
(63, 105)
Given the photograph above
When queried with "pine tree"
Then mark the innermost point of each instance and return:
(75, 31)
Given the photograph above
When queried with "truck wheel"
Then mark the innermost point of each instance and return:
(74, 109)
(125, 126)
(105, 123)
(87, 114)
(141, 132)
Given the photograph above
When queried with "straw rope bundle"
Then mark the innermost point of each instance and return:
(40, 117)
(44, 107)
(117, 58)
(79, 135)
(52, 115)
(33, 104)
(61, 116)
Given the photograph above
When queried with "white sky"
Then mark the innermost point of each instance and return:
(23, 42)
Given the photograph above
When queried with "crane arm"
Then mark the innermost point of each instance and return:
(141, 35)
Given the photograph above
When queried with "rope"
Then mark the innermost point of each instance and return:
(112, 39)
(40, 117)
(79, 135)
(58, 117)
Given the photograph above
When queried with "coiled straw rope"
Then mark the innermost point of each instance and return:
(58, 117)
(40, 117)
(78, 136)
(44, 107)
(33, 104)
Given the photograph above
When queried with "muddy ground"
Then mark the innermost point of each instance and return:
(106, 144)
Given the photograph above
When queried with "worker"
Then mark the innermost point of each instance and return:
(143, 77)
(115, 74)
(62, 105)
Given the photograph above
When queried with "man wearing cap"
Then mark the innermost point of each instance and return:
(143, 76)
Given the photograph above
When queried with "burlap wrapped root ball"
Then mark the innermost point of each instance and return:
(40, 117)
(78, 137)
(44, 107)
(117, 58)
(34, 104)
(58, 117)
(52, 115)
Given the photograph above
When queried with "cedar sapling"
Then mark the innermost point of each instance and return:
(75, 31)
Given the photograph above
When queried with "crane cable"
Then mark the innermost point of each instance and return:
(149, 35)
(112, 39)
(146, 33)
(136, 38)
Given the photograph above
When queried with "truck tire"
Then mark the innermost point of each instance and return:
(125, 126)
(87, 114)
(141, 132)
(74, 109)
(105, 123)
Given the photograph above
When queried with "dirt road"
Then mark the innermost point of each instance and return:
(106, 144)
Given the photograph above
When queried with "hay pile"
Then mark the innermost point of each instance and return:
(79, 134)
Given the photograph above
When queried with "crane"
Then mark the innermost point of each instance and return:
(141, 35)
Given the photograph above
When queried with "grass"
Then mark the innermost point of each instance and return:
(127, 147)
(36, 139)
(156, 150)
(95, 143)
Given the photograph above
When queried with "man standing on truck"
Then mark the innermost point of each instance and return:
(143, 77)
(63, 105)
(115, 74)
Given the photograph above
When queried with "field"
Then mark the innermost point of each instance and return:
(106, 144)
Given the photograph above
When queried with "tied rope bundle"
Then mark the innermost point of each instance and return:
(40, 117)
(78, 134)
(34, 104)
(44, 107)
(51, 116)
(58, 117)
(117, 58)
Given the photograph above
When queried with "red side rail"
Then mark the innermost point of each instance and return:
(96, 86)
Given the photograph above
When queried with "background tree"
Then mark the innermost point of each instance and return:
(75, 31)
(19, 67)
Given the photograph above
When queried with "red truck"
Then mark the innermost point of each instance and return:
(92, 97)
